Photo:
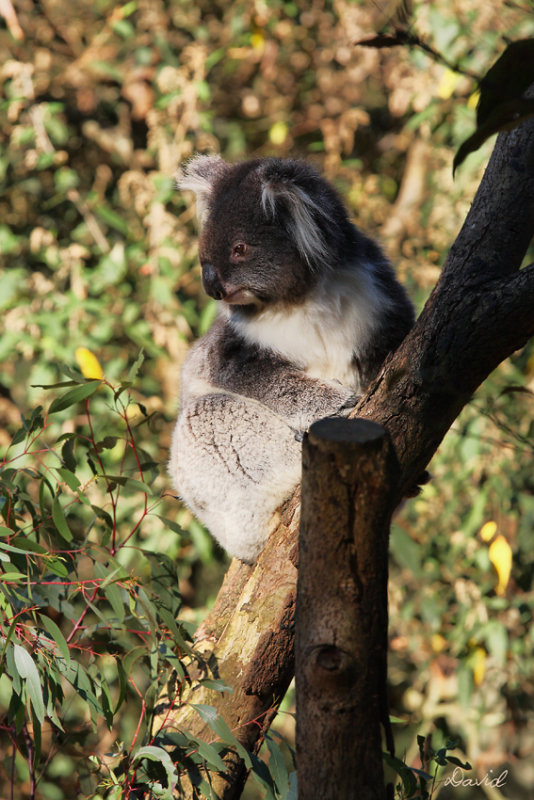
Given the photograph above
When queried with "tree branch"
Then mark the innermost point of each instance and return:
(478, 314)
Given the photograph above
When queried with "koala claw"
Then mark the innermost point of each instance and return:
(350, 402)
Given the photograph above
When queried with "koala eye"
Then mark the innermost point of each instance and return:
(239, 249)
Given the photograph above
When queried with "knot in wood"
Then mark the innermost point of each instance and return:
(333, 663)
(329, 658)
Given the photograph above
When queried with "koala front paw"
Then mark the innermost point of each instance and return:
(343, 399)
(348, 405)
(350, 402)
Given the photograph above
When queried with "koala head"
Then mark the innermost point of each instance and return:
(269, 229)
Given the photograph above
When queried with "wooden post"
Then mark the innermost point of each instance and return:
(348, 488)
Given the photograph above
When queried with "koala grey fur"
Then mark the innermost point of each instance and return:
(309, 309)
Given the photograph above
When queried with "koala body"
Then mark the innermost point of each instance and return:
(309, 309)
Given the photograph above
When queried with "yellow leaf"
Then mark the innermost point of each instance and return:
(500, 554)
(473, 100)
(448, 83)
(133, 412)
(257, 40)
(478, 664)
(88, 363)
(438, 643)
(278, 133)
(488, 531)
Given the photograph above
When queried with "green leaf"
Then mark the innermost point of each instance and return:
(68, 477)
(136, 366)
(277, 766)
(12, 576)
(173, 526)
(123, 684)
(112, 219)
(409, 781)
(496, 637)
(107, 705)
(22, 545)
(59, 385)
(57, 567)
(60, 521)
(80, 680)
(67, 454)
(26, 669)
(123, 28)
(113, 596)
(209, 754)
(134, 655)
(132, 483)
(219, 726)
(19, 436)
(74, 396)
(57, 636)
(107, 443)
(159, 754)
(458, 763)
(37, 739)
(6, 642)
(106, 69)
(216, 685)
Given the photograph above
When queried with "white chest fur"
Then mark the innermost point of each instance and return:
(323, 335)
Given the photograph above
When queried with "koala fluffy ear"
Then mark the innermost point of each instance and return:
(199, 175)
(296, 188)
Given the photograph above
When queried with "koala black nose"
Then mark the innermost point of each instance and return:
(211, 282)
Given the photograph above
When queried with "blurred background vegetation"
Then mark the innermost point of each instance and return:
(100, 103)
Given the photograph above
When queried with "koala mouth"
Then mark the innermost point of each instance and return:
(241, 297)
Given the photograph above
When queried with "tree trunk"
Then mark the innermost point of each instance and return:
(479, 313)
(348, 481)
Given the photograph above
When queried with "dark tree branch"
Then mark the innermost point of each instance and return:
(479, 313)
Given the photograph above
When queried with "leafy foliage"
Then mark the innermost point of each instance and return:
(90, 617)
(87, 614)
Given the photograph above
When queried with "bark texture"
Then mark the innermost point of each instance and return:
(480, 312)
(348, 479)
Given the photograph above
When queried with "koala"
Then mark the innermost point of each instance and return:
(309, 307)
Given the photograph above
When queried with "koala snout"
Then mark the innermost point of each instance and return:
(211, 283)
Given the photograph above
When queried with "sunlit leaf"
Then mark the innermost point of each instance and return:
(488, 531)
(478, 663)
(500, 554)
(88, 363)
(26, 669)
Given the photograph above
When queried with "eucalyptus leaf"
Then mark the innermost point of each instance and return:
(27, 669)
